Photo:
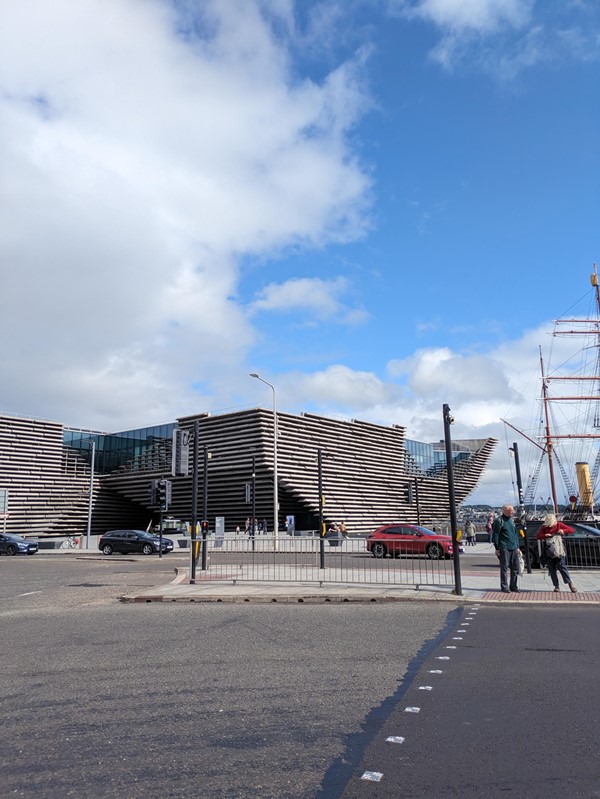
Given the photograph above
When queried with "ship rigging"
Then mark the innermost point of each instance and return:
(568, 431)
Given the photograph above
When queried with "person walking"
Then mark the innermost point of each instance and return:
(551, 534)
(489, 526)
(470, 533)
(506, 543)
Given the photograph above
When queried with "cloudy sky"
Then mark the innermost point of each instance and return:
(378, 205)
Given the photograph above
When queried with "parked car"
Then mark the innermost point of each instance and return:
(582, 547)
(12, 544)
(409, 539)
(127, 542)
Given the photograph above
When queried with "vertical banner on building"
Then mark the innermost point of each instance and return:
(219, 530)
(290, 525)
(4, 507)
(180, 458)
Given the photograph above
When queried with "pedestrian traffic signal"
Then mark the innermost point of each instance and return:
(204, 526)
(163, 490)
(154, 493)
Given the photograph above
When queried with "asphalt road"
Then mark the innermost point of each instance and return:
(102, 699)
(512, 711)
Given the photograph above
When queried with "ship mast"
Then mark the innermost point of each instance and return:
(593, 326)
(578, 327)
(548, 436)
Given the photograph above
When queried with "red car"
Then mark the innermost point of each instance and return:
(408, 539)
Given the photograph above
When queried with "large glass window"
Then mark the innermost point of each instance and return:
(135, 450)
(430, 458)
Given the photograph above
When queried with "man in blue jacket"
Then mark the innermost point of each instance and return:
(506, 542)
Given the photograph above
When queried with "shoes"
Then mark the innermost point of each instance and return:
(505, 590)
(557, 590)
(572, 587)
(515, 590)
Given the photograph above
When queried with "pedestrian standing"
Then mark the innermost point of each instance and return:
(470, 533)
(489, 526)
(506, 543)
(551, 534)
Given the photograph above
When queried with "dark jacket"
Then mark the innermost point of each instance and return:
(504, 533)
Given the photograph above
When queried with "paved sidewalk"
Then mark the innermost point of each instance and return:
(479, 583)
(476, 586)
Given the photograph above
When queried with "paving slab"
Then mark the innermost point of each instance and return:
(534, 588)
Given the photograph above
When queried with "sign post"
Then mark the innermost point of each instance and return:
(4, 506)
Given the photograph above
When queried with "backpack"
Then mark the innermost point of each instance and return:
(554, 547)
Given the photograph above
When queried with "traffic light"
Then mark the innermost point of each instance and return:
(163, 489)
(162, 495)
(154, 493)
(204, 526)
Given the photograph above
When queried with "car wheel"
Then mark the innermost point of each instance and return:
(11, 549)
(147, 549)
(379, 550)
(435, 552)
(107, 549)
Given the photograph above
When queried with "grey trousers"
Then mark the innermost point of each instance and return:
(509, 561)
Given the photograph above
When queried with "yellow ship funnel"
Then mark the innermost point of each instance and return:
(585, 486)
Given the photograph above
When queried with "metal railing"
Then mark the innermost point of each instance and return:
(308, 559)
(580, 552)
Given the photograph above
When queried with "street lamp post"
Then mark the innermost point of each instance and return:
(92, 445)
(275, 483)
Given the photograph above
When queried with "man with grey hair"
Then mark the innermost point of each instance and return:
(506, 543)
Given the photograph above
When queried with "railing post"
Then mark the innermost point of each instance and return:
(194, 501)
(205, 509)
(253, 519)
(321, 530)
(521, 520)
(448, 420)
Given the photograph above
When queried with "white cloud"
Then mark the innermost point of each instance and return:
(482, 16)
(504, 37)
(466, 377)
(481, 389)
(316, 298)
(142, 155)
(338, 390)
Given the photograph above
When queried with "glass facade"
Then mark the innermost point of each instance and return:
(431, 458)
(149, 448)
(145, 448)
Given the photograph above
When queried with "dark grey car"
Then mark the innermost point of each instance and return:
(12, 544)
(128, 542)
(582, 547)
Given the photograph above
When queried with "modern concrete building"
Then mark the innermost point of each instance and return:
(371, 474)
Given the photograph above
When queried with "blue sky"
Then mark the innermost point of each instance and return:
(378, 206)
